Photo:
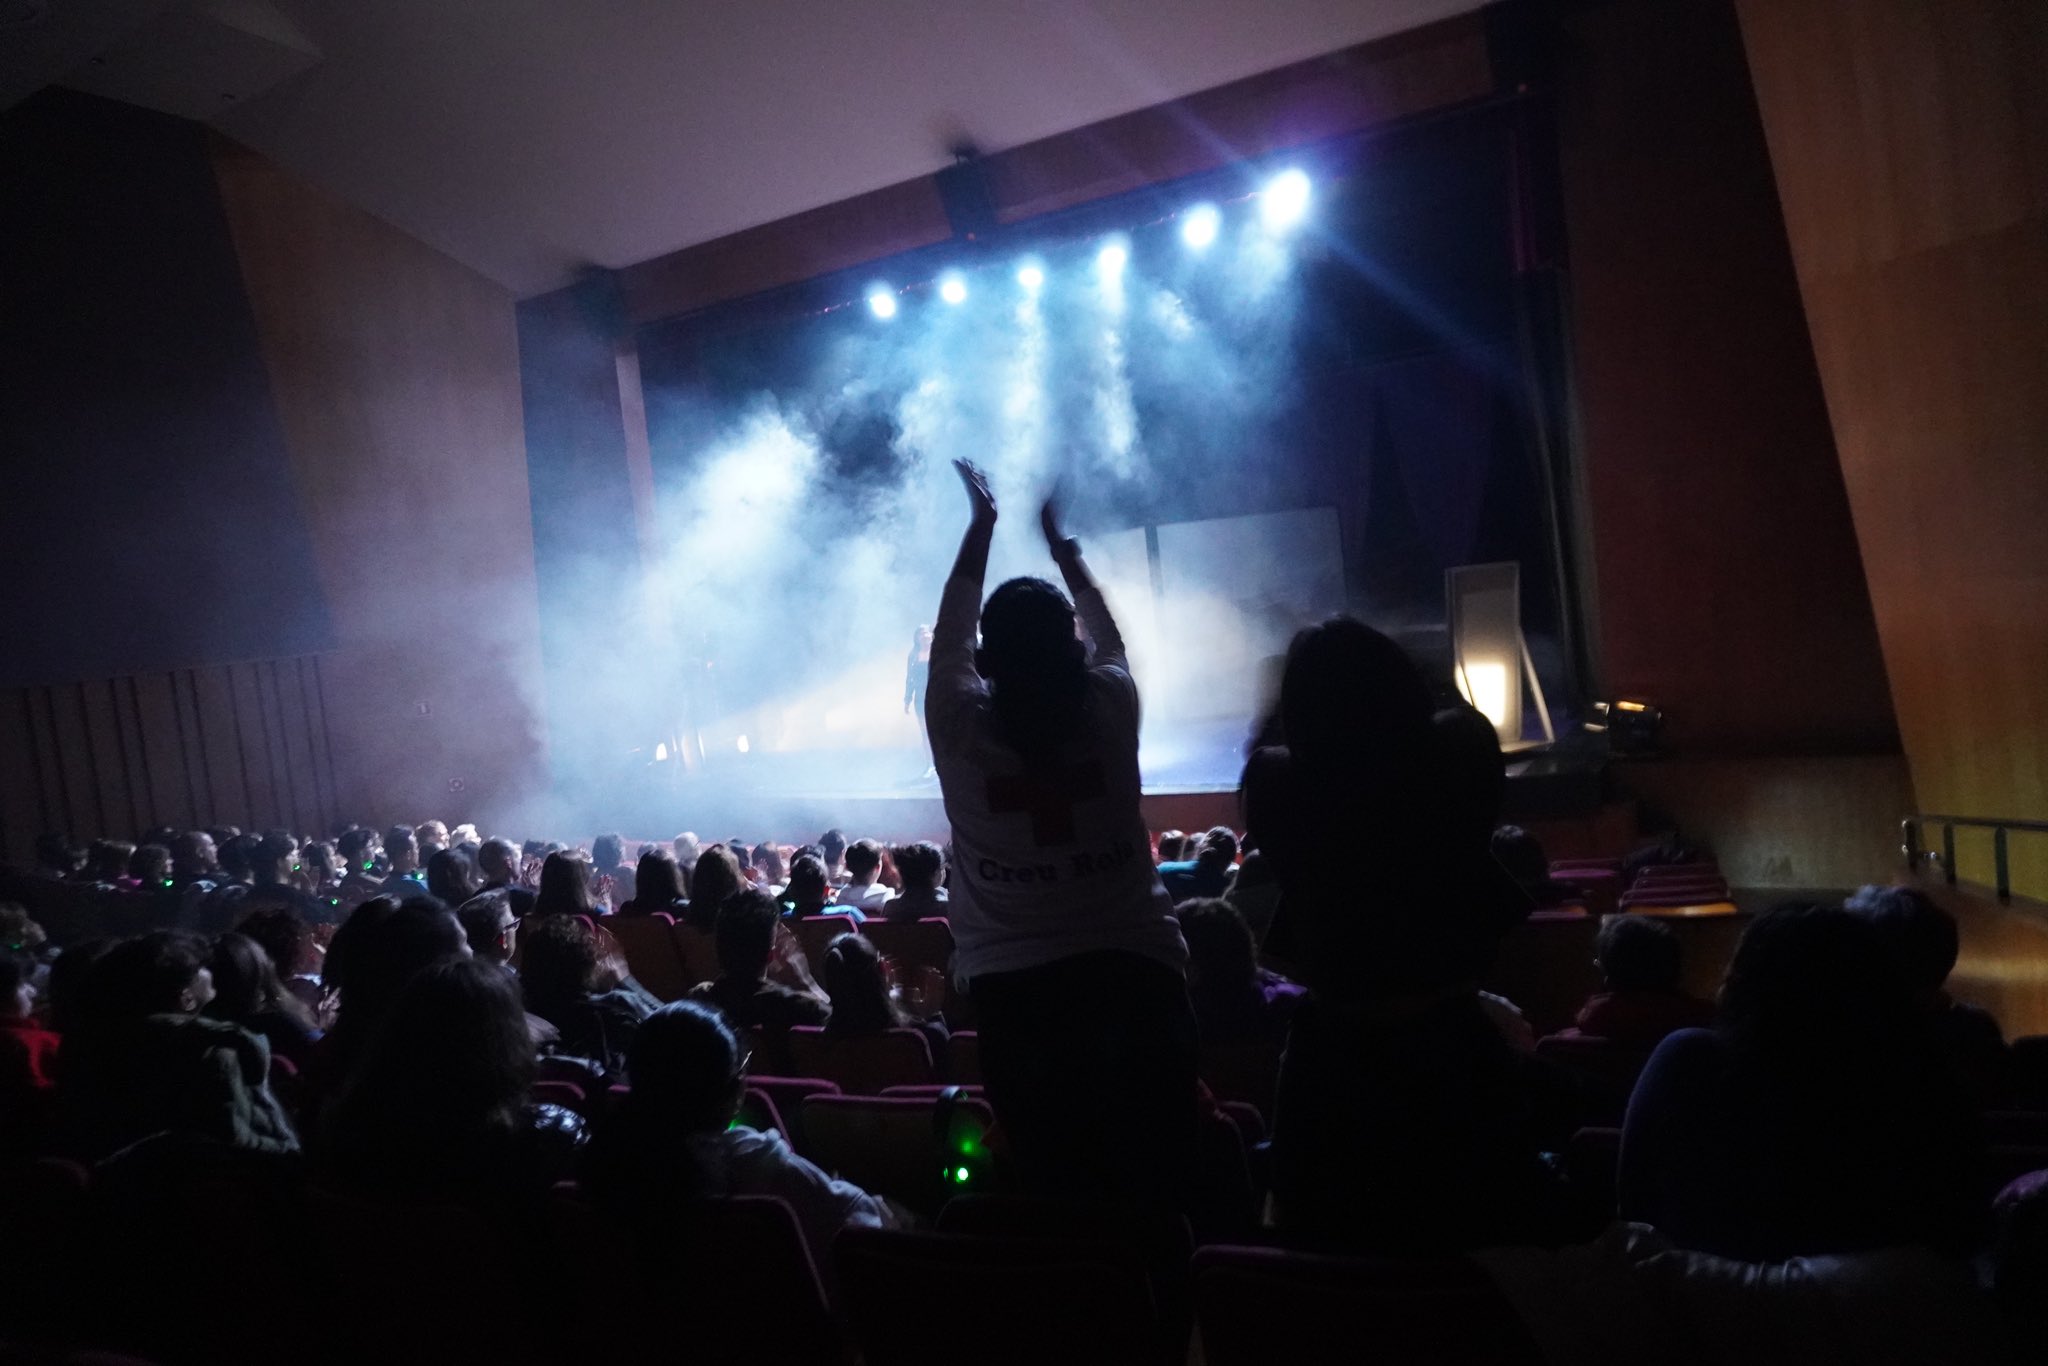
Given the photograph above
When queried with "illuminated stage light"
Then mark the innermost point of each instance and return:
(953, 287)
(1200, 226)
(661, 754)
(743, 745)
(1031, 276)
(1111, 260)
(882, 302)
(1284, 201)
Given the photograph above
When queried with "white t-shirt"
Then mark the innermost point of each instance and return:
(1054, 863)
(867, 900)
(759, 1162)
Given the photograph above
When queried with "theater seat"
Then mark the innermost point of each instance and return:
(912, 1150)
(913, 944)
(963, 1058)
(1257, 1305)
(863, 1066)
(916, 1298)
(815, 933)
(787, 1095)
(649, 943)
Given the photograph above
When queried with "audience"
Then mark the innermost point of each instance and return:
(715, 878)
(1208, 873)
(806, 893)
(1816, 1117)
(451, 878)
(441, 1104)
(288, 940)
(832, 849)
(1235, 1000)
(863, 1003)
(1923, 938)
(863, 895)
(608, 865)
(753, 946)
(1522, 857)
(657, 885)
(28, 1060)
(673, 1141)
(565, 879)
(489, 925)
(582, 989)
(1639, 1001)
(404, 879)
(139, 1059)
(922, 867)
(248, 992)
(498, 861)
(1062, 930)
(149, 868)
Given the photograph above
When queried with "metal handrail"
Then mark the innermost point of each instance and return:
(1909, 832)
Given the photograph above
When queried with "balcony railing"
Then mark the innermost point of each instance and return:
(1917, 853)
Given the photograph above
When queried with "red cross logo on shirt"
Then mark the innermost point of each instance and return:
(1049, 795)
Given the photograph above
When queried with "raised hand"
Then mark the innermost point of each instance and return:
(1049, 522)
(980, 499)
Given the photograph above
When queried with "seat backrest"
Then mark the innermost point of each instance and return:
(650, 947)
(698, 950)
(815, 933)
(893, 1146)
(1260, 1305)
(1683, 904)
(923, 1297)
(788, 1095)
(1545, 966)
(729, 1280)
(1248, 1073)
(863, 1066)
(913, 944)
(963, 1058)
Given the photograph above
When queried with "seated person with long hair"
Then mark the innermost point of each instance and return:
(673, 1141)
(862, 1005)
(1639, 1001)
(581, 990)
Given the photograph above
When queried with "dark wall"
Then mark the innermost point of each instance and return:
(150, 518)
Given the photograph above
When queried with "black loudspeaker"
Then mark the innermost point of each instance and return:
(963, 190)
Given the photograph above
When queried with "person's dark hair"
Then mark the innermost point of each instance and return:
(245, 984)
(499, 858)
(746, 934)
(716, 877)
(271, 858)
(146, 975)
(56, 853)
(452, 877)
(401, 839)
(1920, 933)
(854, 978)
(387, 952)
(67, 998)
(1037, 669)
(194, 853)
(608, 852)
(150, 864)
(284, 935)
(1222, 955)
(1638, 953)
(480, 917)
(1219, 849)
(106, 860)
(334, 964)
(564, 885)
(1172, 846)
(321, 858)
(1521, 855)
(355, 847)
(445, 1077)
(768, 859)
(832, 846)
(922, 865)
(863, 858)
(557, 962)
(685, 1065)
(239, 855)
(1350, 696)
(1807, 979)
(807, 885)
(657, 879)
(19, 932)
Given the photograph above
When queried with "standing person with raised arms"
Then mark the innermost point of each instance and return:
(1064, 935)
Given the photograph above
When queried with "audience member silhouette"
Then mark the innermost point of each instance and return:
(1924, 938)
(1639, 1001)
(570, 981)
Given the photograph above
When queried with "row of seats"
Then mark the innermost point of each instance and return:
(668, 958)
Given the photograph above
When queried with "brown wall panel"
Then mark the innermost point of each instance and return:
(1910, 144)
(210, 696)
(169, 794)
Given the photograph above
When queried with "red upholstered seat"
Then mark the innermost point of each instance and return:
(815, 933)
(649, 944)
(913, 944)
(1258, 1305)
(910, 1149)
(963, 1058)
(925, 1297)
(864, 1066)
(788, 1094)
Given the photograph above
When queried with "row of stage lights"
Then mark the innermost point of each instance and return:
(1283, 203)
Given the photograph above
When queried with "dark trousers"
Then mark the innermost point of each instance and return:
(1090, 1063)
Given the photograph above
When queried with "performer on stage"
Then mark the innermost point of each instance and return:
(917, 672)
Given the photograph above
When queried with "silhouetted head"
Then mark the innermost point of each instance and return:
(488, 924)
(863, 860)
(1921, 934)
(284, 935)
(107, 860)
(452, 877)
(193, 854)
(1637, 953)
(657, 880)
(686, 1068)
(854, 978)
(832, 844)
(150, 865)
(807, 887)
(1810, 979)
(746, 935)
(608, 852)
(1036, 667)
(564, 885)
(921, 865)
(1222, 956)
(56, 854)
(161, 973)
(498, 861)
(717, 876)
(557, 962)
(1521, 856)
(245, 981)
(1349, 695)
